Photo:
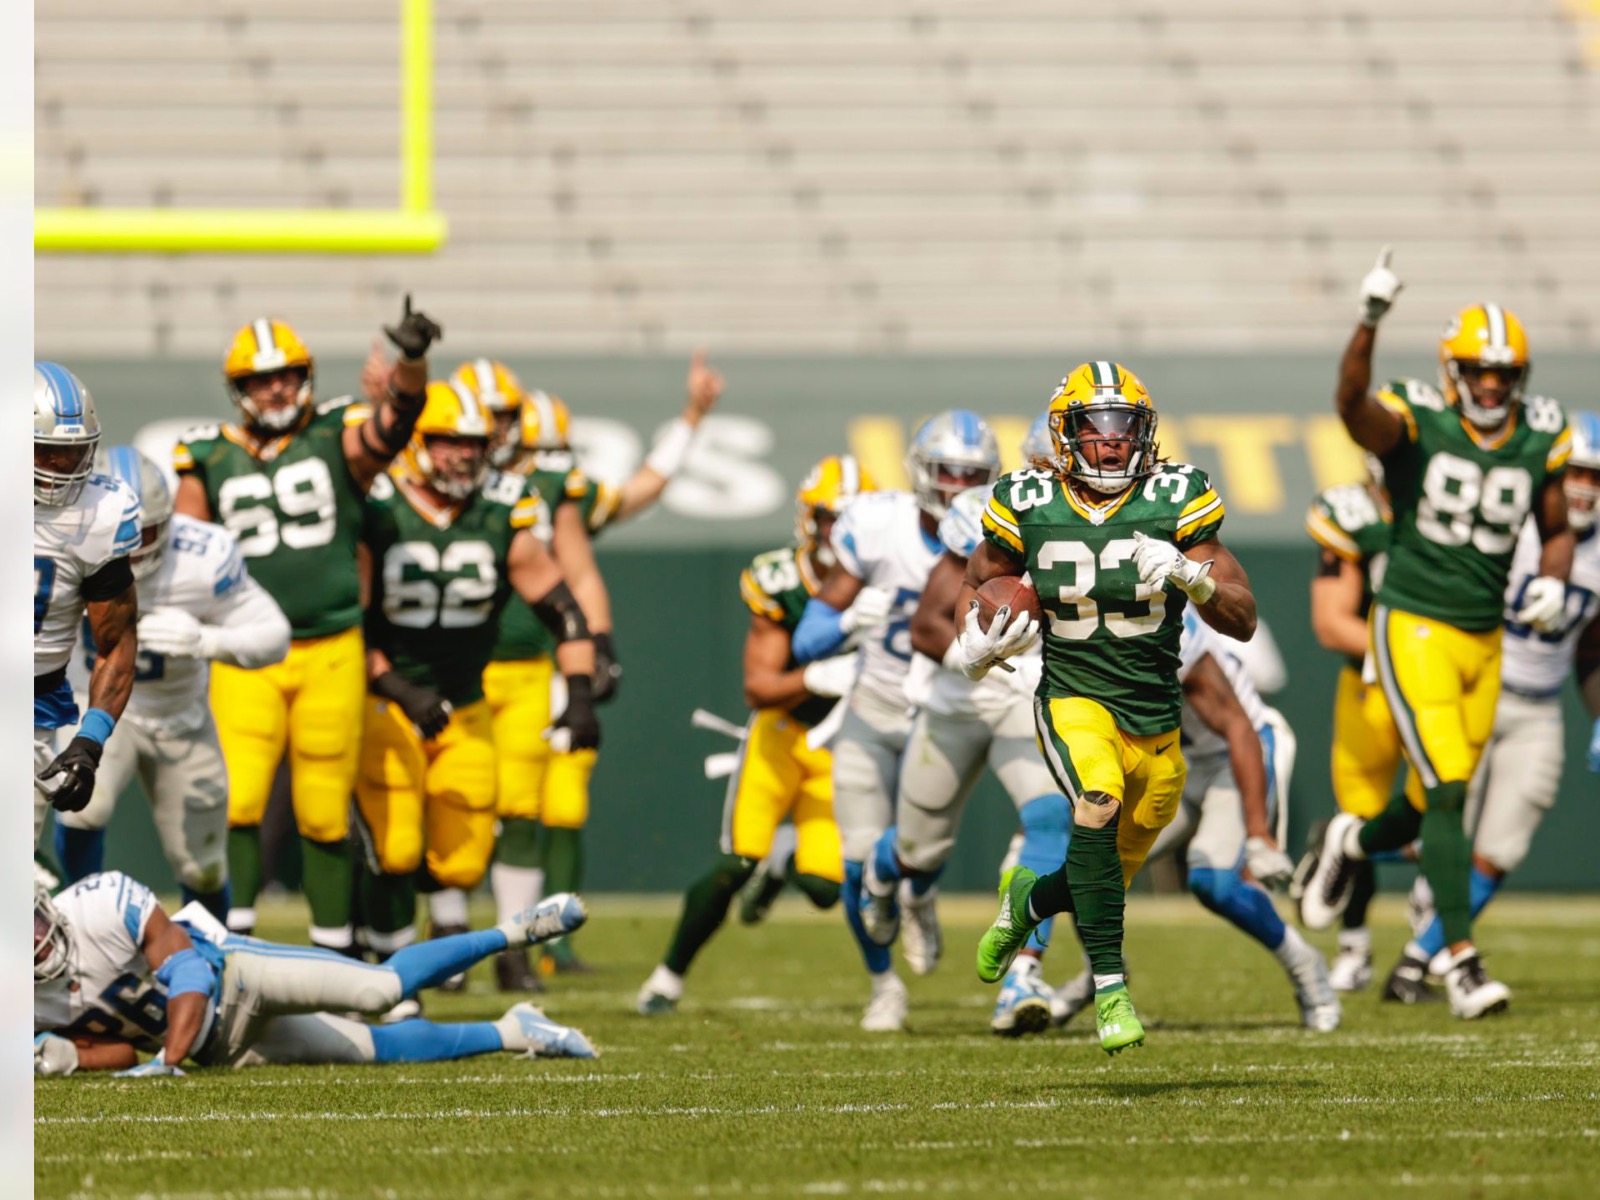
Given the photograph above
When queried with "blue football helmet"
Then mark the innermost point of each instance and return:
(144, 479)
(65, 434)
(1583, 496)
(1039, 446)
(949, 453)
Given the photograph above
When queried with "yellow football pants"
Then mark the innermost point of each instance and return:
(311, 702)
(534, 782)
(780, 776)
(1366, 746)
(1087, 752)
(432, 800)
(1442, 685)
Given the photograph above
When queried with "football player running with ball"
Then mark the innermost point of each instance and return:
(780, 772)
(1464, 469)
(1116, 542)
(447, 542)
(885, 544)
(288, 481)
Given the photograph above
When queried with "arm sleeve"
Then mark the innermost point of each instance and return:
(249, 627)
(819, 633)
(110, 580)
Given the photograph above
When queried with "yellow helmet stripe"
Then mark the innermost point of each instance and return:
(1496, 317)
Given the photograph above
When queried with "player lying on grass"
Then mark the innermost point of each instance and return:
(113, 975)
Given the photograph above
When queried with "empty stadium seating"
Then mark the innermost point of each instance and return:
(920, 175)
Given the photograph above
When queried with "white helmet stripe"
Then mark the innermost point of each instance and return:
(469, 403)
(549, 435)
(1105, 375)
(1496, 317)
(488, 386)
(265, 342)
(849, 476)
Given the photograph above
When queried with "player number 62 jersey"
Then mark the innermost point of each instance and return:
(1107, 636)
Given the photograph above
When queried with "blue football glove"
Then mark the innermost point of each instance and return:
(154, 1067)
(1594, 749)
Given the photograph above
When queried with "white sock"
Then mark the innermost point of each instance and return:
(1292, 948)
(515, 889)
(664, 981)
(1352, 842)
(388, 943)
(242, 920)
(1357, 941)
(886, 981)
(1025, 965)
(1102, 982)
(330, 937)
(448, 907)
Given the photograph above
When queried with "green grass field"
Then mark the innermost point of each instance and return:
(762, 1085)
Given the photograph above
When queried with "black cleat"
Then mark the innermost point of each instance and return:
(1408, 983)
(513, 972)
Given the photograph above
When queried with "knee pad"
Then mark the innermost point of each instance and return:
(1096, 810)
(379, 994)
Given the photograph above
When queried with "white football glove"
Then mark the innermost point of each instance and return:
(1006, 636)
(175, 633)
(1270, 866)
(1544, 603)
(54, 1055)
(1379, 288)
(870, 610)
(1158, 561)
(831, 676)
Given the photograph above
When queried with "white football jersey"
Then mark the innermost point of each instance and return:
(108, 989)
(70, 543)
(1534, 663)
(203, 574)
(880, 540)
(1199, 739)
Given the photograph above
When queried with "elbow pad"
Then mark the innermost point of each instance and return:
(185, 972)
(558, 610)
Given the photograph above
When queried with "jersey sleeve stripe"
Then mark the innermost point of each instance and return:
(1002, 531)
(1211, 513)
(526, 512)
(1201, 501)
(182, 458)
(1402, 409)
(1560, 452)
(1325, 533)
(607, 501)
(757, 600)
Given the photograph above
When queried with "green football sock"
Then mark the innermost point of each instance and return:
(327, 882)
(563, 859)
(823, 893)
(705, 906)
(389, 902)
(1098, 895)
(1396, 826)
(1447, 860)
(244, 864)
(518, 843)
(1052, 894)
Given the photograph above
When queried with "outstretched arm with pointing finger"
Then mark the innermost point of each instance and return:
(1373, 426)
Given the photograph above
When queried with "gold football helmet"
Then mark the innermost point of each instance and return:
(546, 422)
(1107, 404)
(266, 347)
(450, 411)
(501, 394)
(1483, 354)
(823, 494)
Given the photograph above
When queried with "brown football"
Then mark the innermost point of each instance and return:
(1007, 589)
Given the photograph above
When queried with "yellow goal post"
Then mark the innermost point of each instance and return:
(415, 227)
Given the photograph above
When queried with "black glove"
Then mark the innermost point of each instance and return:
(607, 670)
(578, 719)
(423, 707)
(77, 764)
(414, 334)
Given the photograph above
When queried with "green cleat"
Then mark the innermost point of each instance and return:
(1116, 1022)
(1009, 933)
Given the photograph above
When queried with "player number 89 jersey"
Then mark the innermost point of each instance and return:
(1107, 636)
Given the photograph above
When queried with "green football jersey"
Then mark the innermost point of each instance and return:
(295, 509)
(776, 585)
(1459, 503)
(438, 589)
(1107, 636)
(523, 635)
(1350, 521)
